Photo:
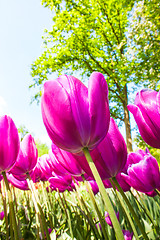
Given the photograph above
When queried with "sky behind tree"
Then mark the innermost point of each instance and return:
(22, 24)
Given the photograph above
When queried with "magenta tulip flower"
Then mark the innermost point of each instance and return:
(136, 157)
(36, 174)
(9, 143)
(152, 193)
(122, 182)
(23, 185)
(61, 183)
(43, 169)
(127, 234)
(144, 175)
(108, 220)
(146, 111)
(56, 167)
(94, 186)
(74, 116)
(45, 166)
(27, 158)
(65, 162)
(1, 215)
(110, 156)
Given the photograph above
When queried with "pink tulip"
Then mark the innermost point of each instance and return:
(143, 172)
(108, 220)
(74, 116)
(23, 185)
(94, 186)
(64, 162)
(1, 215)
(45, 166)
(27, 158)
(9, 143)
(36, 174)
(127, 234)
(109, 156)
(61, 183)
(146, 111)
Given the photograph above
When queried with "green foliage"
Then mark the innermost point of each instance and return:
(42, 148)
(144, 40)
(117, 38)
(56, 207)
(22, 130)
(88, 36)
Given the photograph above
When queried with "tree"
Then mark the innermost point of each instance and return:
(87, 36)
(144, 41)
(22, 130)
(42, 148)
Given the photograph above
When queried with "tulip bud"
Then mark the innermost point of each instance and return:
(146, 112)
(74, 116)
(27, 157)
(127, 234)
(1, 215)
(143, 175)
(9, 143)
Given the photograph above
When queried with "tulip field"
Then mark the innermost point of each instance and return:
(88, 186)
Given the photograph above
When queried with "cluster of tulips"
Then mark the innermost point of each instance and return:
(87, 146)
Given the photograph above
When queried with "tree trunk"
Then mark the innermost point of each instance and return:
(127, 121)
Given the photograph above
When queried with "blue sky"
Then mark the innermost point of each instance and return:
(22, 24)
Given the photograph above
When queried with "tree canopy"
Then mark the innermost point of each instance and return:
(97, 35)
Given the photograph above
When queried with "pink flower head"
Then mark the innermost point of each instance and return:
(45, 166)
(65, 162)
(109, 156)
(61, 183)
(108, 220)
(94, 186)
(146, 112)
(27, 158)
(74, 116)
(21, 184)
(144, 174)
(9, 143)
(1, 215)
(127, 235)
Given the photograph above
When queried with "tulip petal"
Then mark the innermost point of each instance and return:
(67, 161)
(78, 94)
(9, 143)
(113, 150)
(98, 107)
(144, 176)
(145, 130)
(68, 113)
(27, 157)
(147, 102)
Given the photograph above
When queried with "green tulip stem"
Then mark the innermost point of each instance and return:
(144, 207)
(130, 208)
(105, 196)
(38, 206)
(92, 197)
(5, 209)
(11, 207)
(130, 221)
(158, 192)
